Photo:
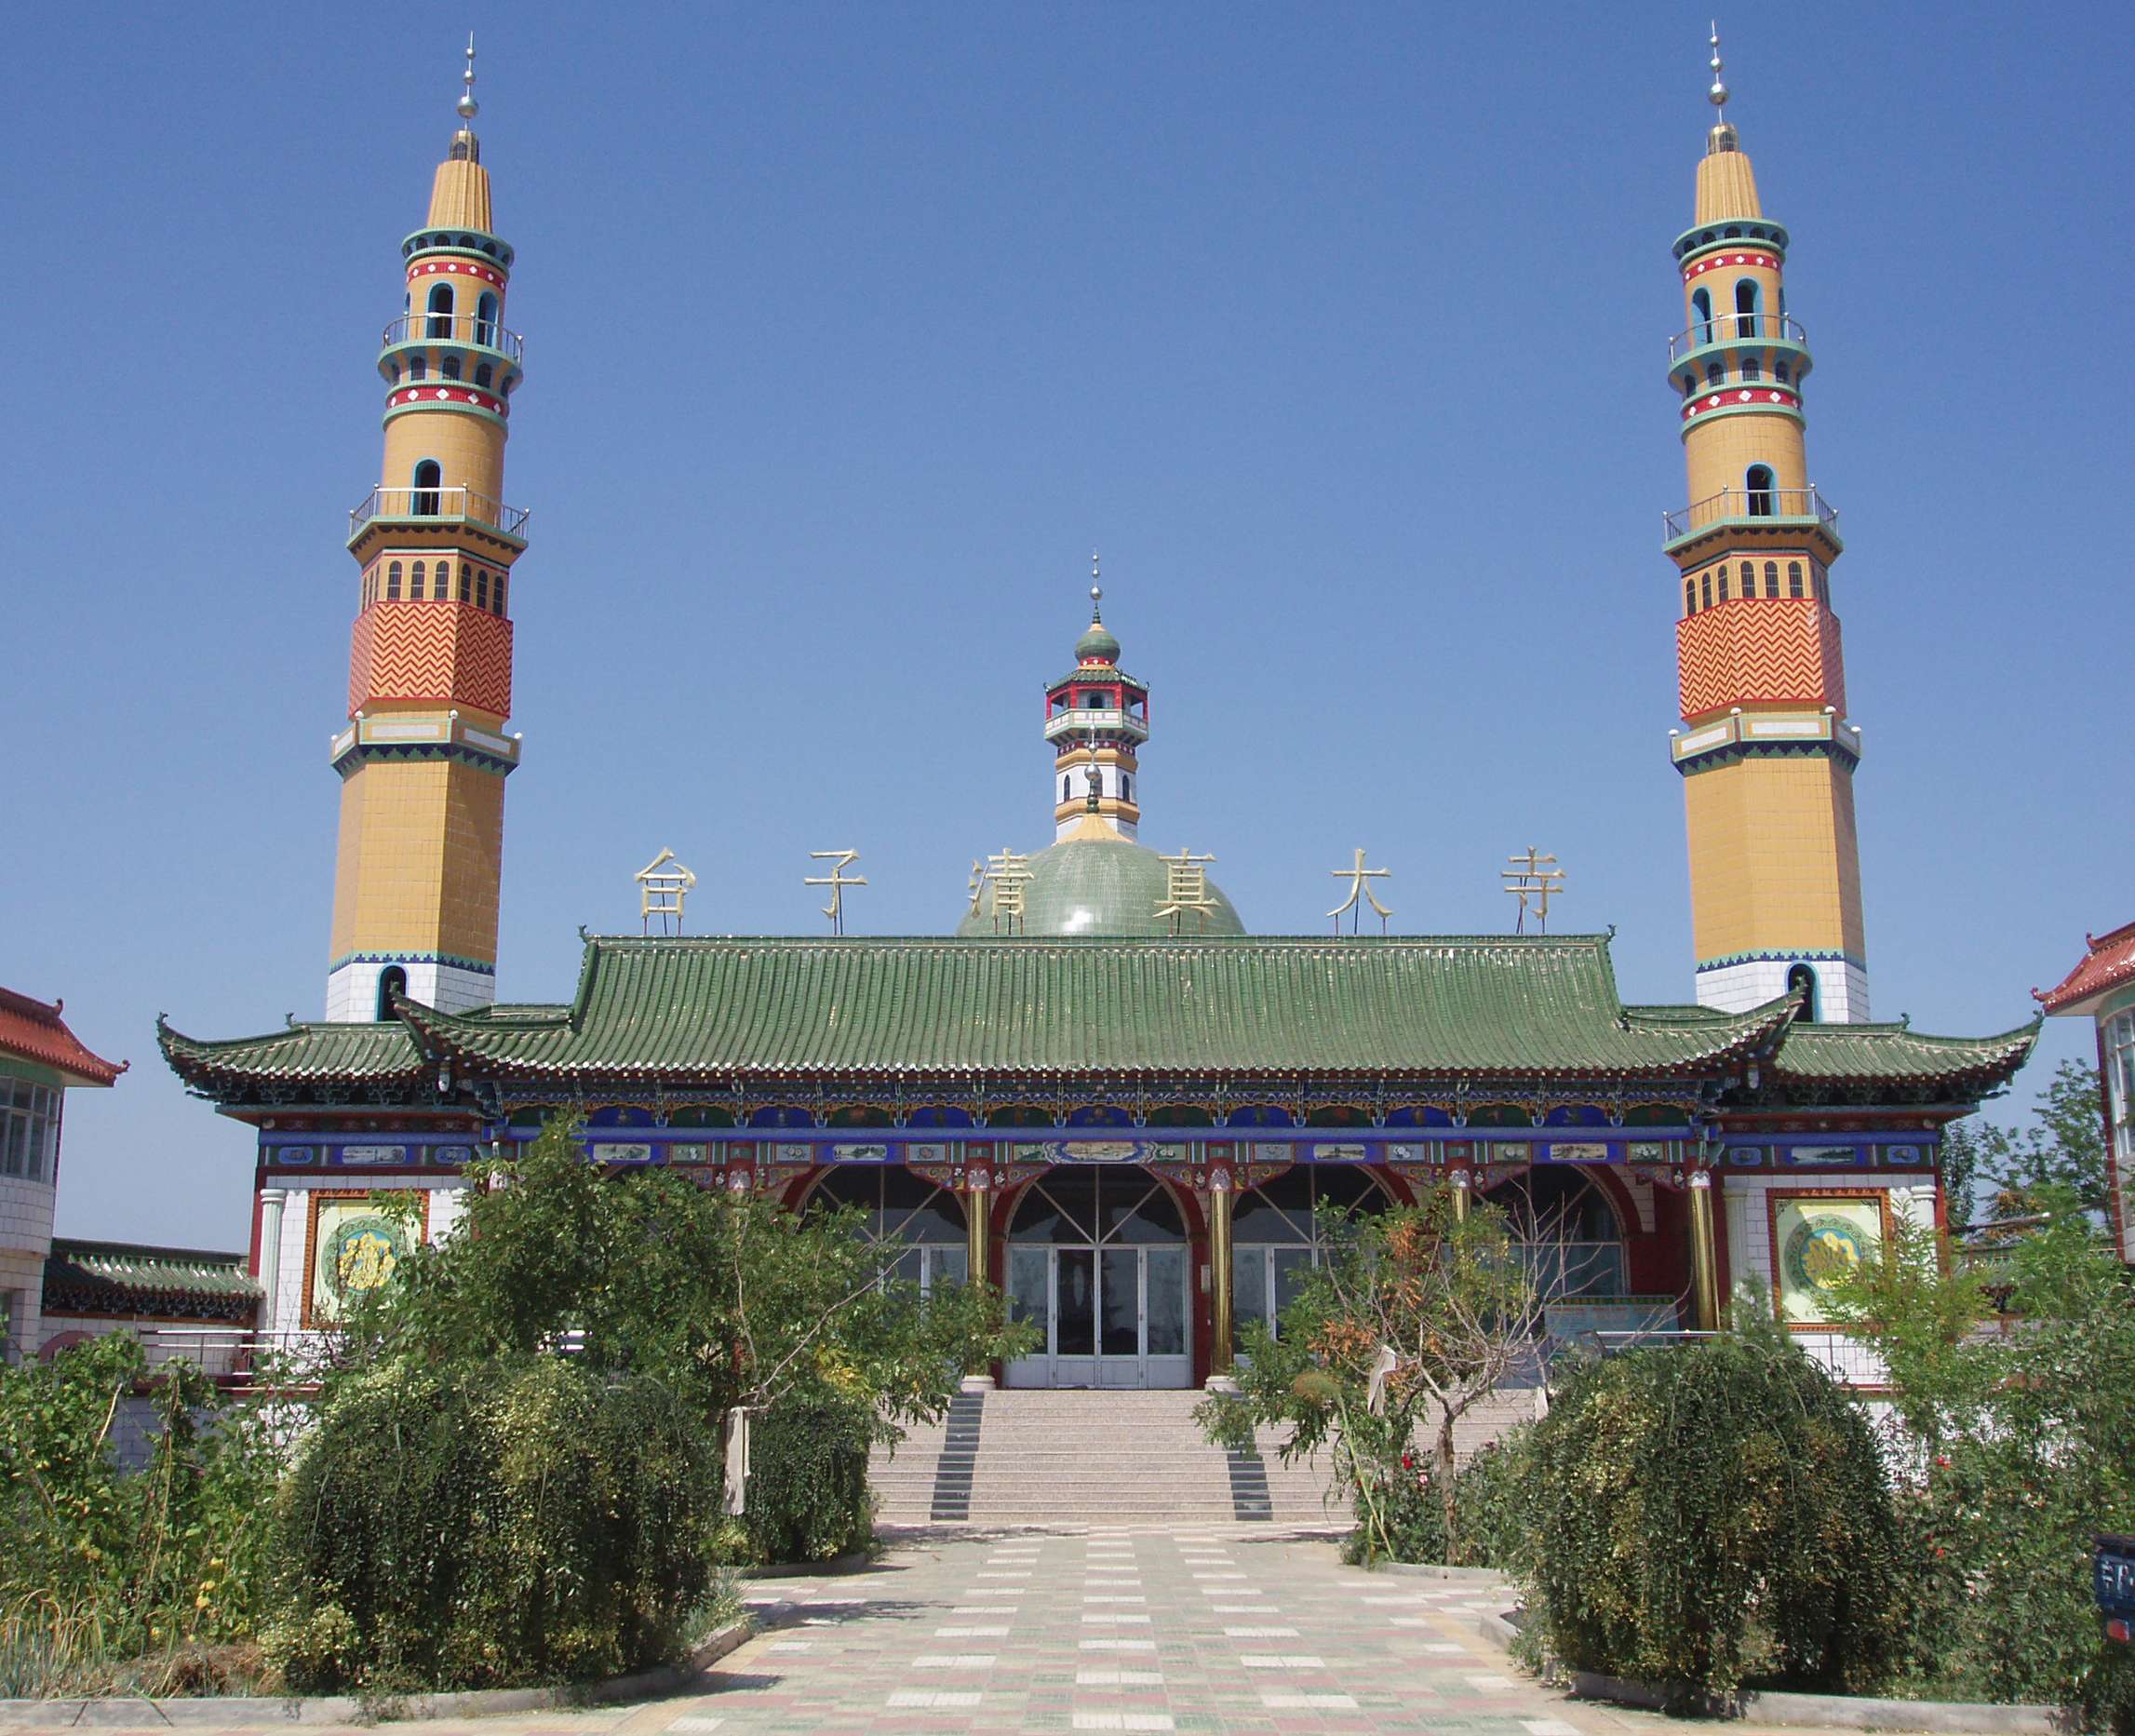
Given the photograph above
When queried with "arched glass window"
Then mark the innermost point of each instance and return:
(1066, 789)
(1723, 584)
(1802, 977)
(1567, 1231)
(497, 594)
(440, 321)
(418, 367)
(1793, 578)
(1758, 481)
(449, 366)
(1752, 368)
(393, 372)
(1747, 324)
(481, 588)
(486, 321)
(393, 582)
(1689, 385)
(429, 475)
(1771, 578)
(1715, 373)
(392, 981)
(1701, 316)
(1820, 582)
(917, 1226)
(1783, 371)
(1690, 597)
(415, 583)
(1705, 585)
(1275, 1236)
(484, 373)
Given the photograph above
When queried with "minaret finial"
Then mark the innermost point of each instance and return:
(469, 108)
(1717, 95)
(1096, 590)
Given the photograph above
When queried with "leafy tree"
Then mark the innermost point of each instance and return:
(2014, 1445)
(1411, 1319)
(2063, 1147)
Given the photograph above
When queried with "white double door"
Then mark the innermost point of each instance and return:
(1112, 1316)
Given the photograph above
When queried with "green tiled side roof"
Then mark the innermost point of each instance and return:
(711, 1008)
(1895, 1052)
(122, 1278)
(304, 1052)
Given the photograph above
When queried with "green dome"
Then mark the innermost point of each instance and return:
(1097, 645)
(1100, 887)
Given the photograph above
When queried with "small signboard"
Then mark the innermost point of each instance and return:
(2113, 1583)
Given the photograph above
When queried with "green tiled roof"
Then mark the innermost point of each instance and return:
(693, 1011)
(768, 1008)
(122, 1278)
(304, 1052)
(1895, 1052)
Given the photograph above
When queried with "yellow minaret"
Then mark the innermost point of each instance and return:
(1765, 751)
(425, 757)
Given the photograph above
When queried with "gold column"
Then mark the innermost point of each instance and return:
(1704, 1269)
(978, 1216)
(1219, 1349)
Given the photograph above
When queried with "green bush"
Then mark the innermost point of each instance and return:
(1488, 1493)
(807, 1496)
(1712, 1514)
(123, 1581)
(480, 1523)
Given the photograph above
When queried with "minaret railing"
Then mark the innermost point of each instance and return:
(1748, 505)
(1737, 329)
(467, 330)
(439, 502)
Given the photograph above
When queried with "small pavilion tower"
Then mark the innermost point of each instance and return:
(1765, 751)
(1095, 717)
(425, 757)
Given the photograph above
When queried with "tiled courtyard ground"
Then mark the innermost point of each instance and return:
(1212, 1628)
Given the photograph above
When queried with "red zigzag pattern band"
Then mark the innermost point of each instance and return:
(447, 652)
(1760, 649)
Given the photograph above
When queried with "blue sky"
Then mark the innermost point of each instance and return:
(851, 331)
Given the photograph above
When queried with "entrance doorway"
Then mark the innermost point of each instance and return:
(1097, 1261)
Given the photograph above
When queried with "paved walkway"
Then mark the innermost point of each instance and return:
(1219, 1627)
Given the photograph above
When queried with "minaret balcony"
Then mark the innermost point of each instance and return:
(1723, 330)
(455, 330)
(1793, 510)
(1088, 721)
(441, 508)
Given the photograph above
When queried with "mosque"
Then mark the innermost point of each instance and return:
(1100, 1090)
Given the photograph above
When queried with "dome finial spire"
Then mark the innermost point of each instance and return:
(1717, 95)
(468, 107)
(1096, 590)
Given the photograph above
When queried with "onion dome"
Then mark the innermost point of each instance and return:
(1097, 645)
(1097, 882)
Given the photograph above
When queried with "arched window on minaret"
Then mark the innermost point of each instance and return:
(1759, 482)
(1746, 322)
(486, 321)
(392, 980)
(393, 582)
(440, 311)
(430, 477)
(1689, 595)
(449, 368)
(1701, 304)
(484, 373)
(1803, 978)
(1771, 578)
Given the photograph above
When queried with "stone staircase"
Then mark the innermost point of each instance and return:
(1084, 1457)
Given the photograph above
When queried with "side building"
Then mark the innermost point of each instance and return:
(2101, 988)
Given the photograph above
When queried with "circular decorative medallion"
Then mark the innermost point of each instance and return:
(1821, 1250)
(362, 1254)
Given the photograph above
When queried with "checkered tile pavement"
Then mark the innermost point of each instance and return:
(1213, 1628)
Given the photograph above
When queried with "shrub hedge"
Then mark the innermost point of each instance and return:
(478, 1524)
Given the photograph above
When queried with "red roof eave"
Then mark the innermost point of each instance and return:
(32, 1032)
(2109, 963)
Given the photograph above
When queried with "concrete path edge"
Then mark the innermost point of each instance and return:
(259, 1710)
(1849, 1712)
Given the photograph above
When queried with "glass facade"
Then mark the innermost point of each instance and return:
(30, 1137)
